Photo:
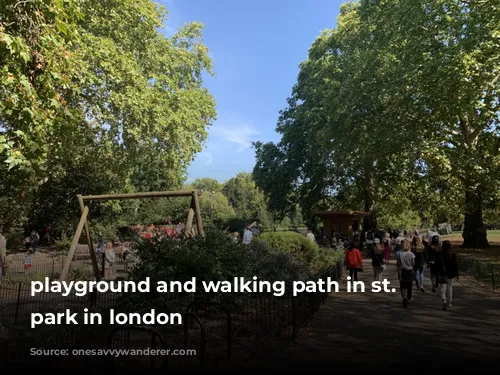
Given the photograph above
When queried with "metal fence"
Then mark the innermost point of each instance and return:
(486, 273)
(52, 267)
(217, 327)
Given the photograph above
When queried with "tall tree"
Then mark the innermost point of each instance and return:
(76, 76)
(448, 56)
(335, 134)
(245, 198)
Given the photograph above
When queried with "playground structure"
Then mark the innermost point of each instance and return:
(83, 225)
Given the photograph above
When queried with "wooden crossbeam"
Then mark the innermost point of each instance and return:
(154, 194)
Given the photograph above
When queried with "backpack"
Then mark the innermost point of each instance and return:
(370, 236)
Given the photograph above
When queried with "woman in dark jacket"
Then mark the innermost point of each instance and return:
(433, 254)
(421, 261)
(447, 268)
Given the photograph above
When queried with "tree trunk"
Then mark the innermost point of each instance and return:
(369, 221)
(474, 233)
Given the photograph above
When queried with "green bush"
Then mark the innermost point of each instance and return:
(80, 274)
(15, 238)
(326, 259)
(295, 244)
(109, 231)
(214, 257)
(63, 244)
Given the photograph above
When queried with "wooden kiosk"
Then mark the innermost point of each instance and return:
(340, 221)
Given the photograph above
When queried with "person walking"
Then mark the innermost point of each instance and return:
(310, 235)
(447, 272)
(370, 242)
(378, 263)
(433, 253)
(420, 261)
(406, 262)
(353, 261)
(387, 249)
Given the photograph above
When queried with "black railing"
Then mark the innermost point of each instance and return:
(486, 273)
(222, 320)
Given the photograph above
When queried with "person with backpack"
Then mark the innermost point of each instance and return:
(446, 272)
(353, 261)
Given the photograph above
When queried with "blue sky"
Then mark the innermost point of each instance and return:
(256, 47)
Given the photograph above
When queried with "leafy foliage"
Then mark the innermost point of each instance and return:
(95, 99)
(399, 102)
(214, 257)
(295, 244)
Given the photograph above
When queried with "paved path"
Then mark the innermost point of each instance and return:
(372, 331)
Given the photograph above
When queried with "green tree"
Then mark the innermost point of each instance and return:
(207, 184)
(448, 59)
(244, 196)
(215, 207)
(336, 145)
(80, 76)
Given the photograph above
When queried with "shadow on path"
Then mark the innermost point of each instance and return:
(372, 331)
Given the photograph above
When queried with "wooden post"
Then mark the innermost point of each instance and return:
(90, 242)
(189, 222)
(199, 225)
(71, 253)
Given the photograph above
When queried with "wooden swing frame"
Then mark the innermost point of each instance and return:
(83, 225)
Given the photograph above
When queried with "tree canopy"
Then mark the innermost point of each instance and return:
(396, 109)
(94, 94)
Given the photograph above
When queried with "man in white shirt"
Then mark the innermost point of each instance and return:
(406, 262)
(310, 235)
(400, 238)
(247, 236)
(431, 233)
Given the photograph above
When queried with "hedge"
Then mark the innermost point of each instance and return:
(295, 244)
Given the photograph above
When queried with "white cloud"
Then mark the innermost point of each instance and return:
(208, 157)
(238, 134)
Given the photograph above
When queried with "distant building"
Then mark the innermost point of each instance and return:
(340, 221)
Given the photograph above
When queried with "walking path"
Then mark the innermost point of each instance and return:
(373, 331)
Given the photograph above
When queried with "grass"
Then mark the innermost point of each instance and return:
(491, 254)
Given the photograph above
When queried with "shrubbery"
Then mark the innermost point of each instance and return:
(295, 244)
(214, 257)
(326, 258)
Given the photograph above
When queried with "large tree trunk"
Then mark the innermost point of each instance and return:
(369, 221)
(474, 233)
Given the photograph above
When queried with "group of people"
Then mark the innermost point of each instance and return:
(414, 254)
(169, 230)
(249, 232)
